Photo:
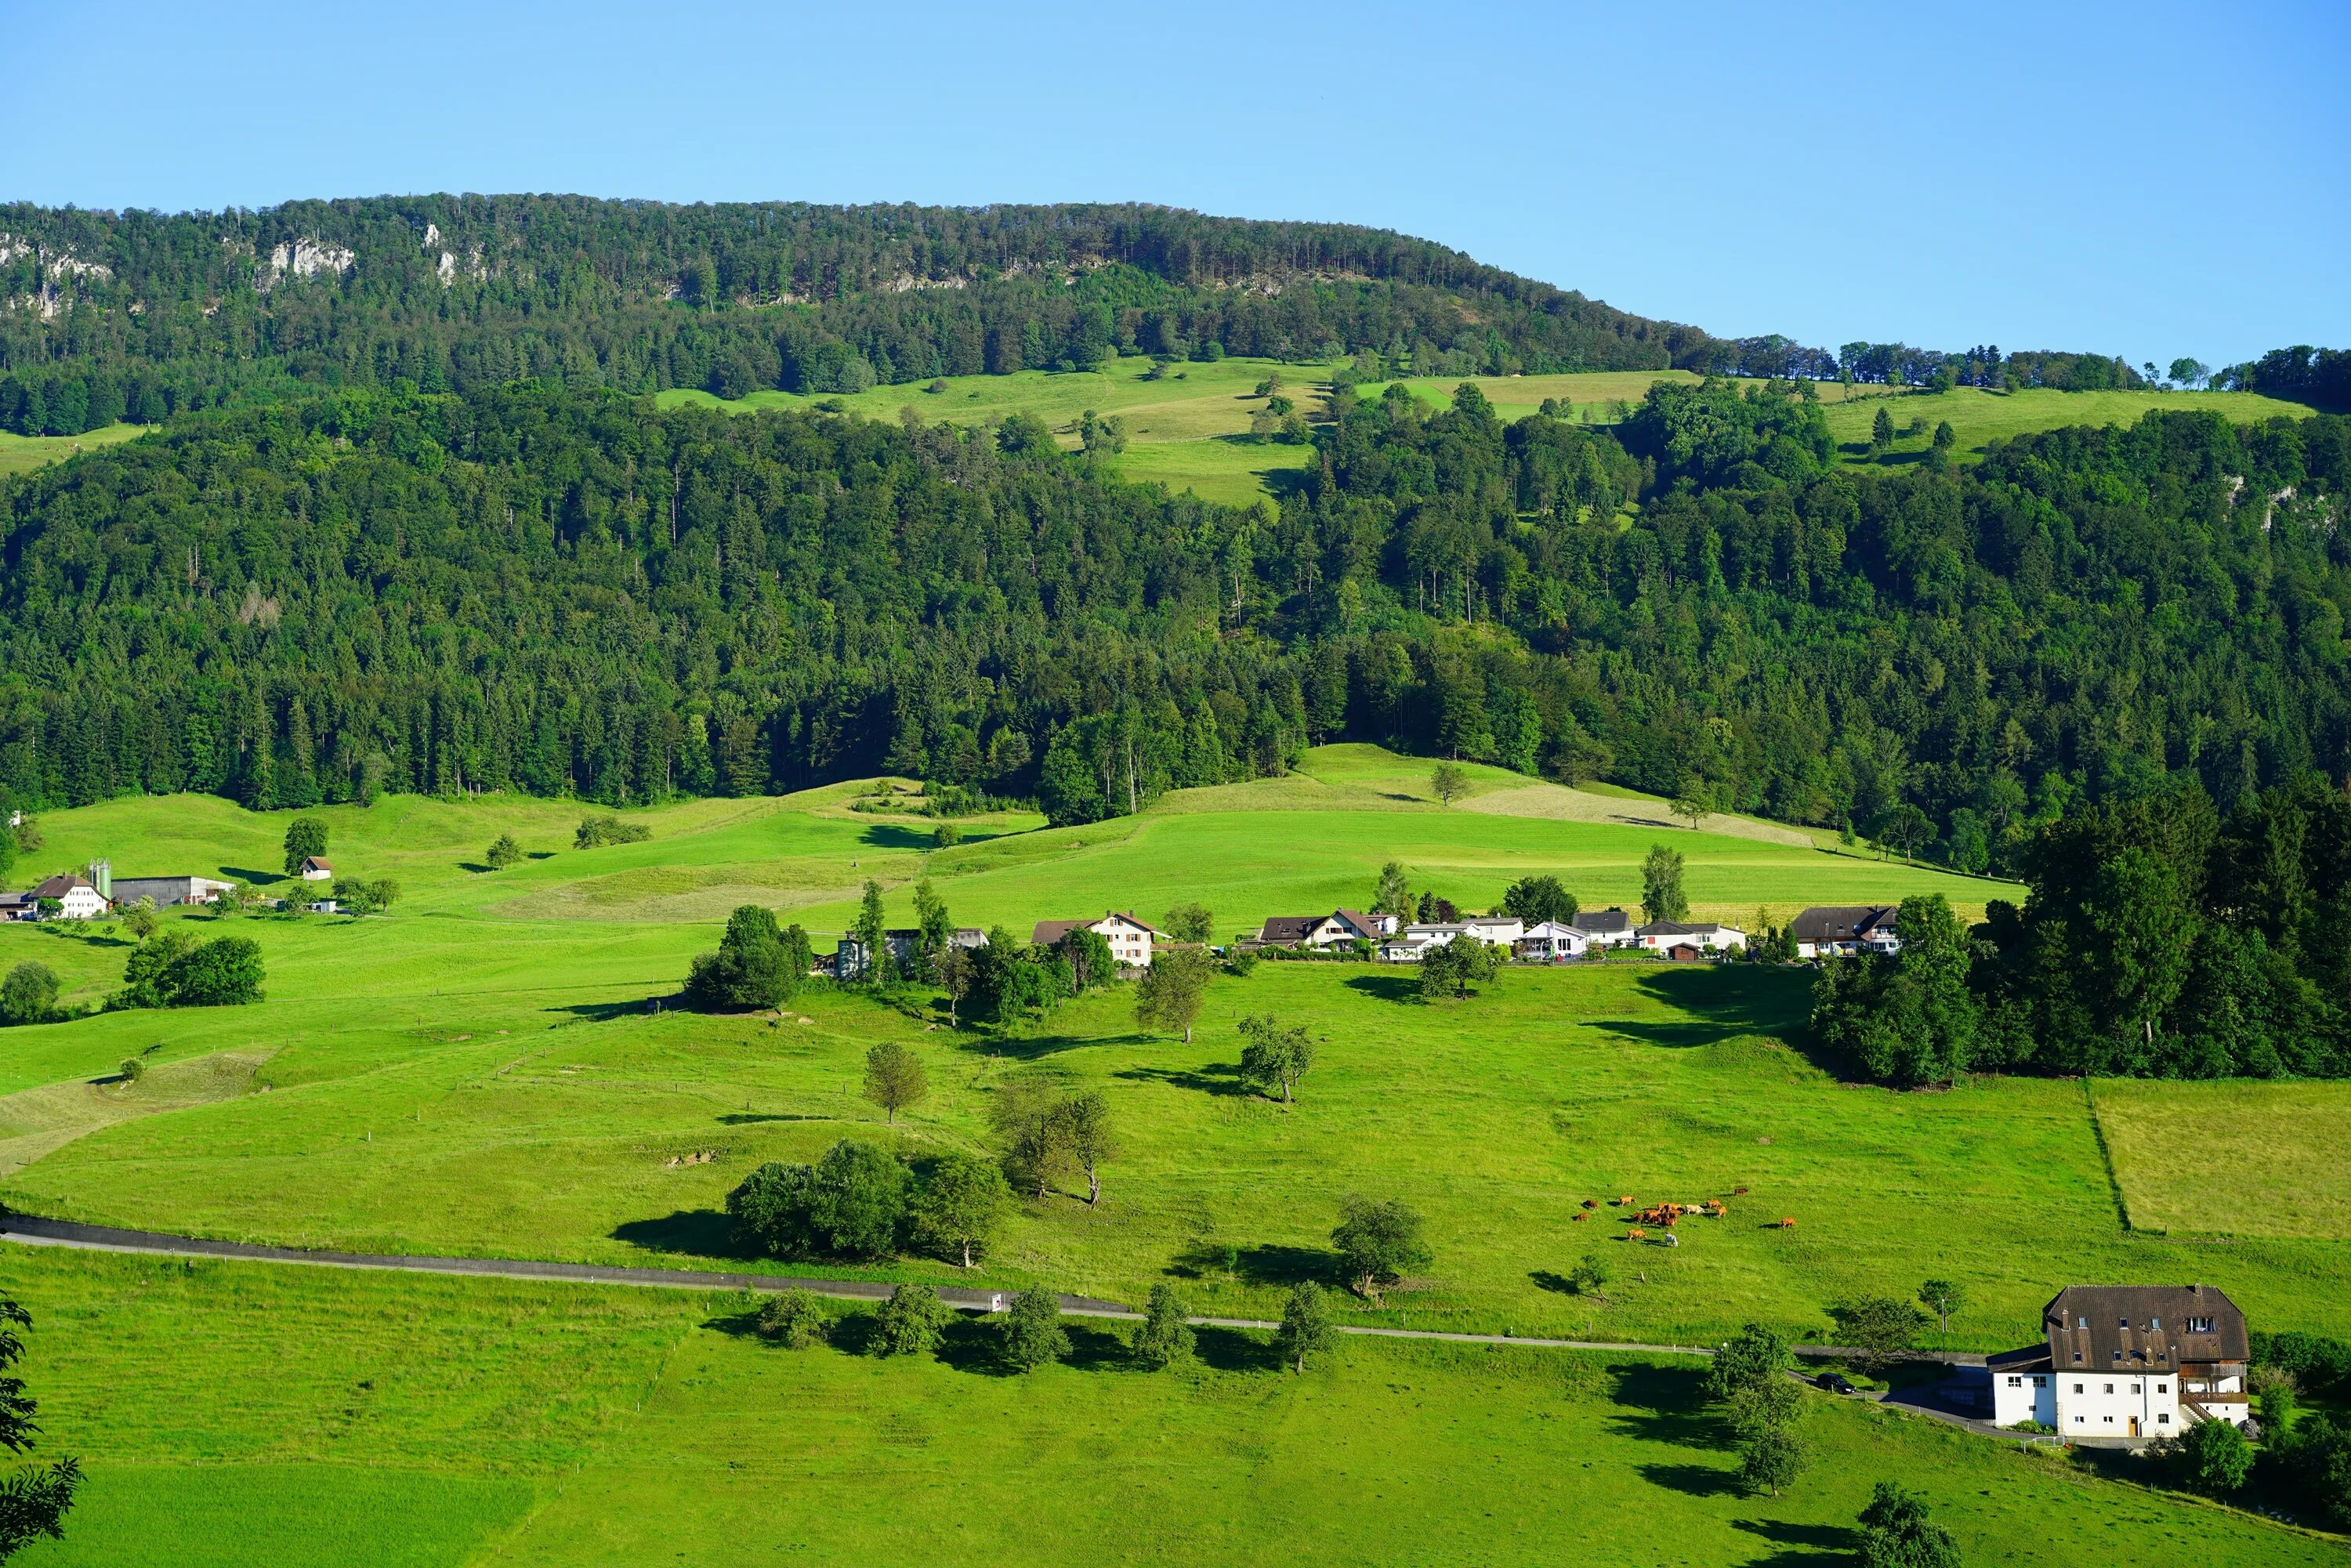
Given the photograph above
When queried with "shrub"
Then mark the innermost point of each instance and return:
(28, 994)
(132, 1070)
(597, 832)
(793, 1319)
(910, 1322)
(2214, 1457)
(503, 853)
(771, 1210)
(1033, 1333)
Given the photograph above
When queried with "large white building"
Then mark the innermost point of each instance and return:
(1840, 930)
(1130, 939)
(2132, 1362)
(1665, 935)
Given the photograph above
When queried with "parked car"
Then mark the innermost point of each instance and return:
(1836, 1383)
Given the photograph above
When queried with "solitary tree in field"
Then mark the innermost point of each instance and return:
(1942, 1298)
(1164, 1338)
(304, 837)
(1169, 994)
(1033, 1333)
(910, 1322)
(1447, 780)
(894, 1079)
(1452, 968)
(28, 993)
(1276, 1056)
(1880, 431)
(1879, 1327)
(955, 976)
(1306, 1329)
(503, 853)
(141, 920)
(1379, 1242)
(1690, 805)
(1086, 1132)
(1662, 897)
(1896, 1533)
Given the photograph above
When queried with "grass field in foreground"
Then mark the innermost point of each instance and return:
(23, 454)
(245, 1413)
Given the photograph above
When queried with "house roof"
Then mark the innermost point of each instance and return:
(1602, 922)
(1369, 924)
(319, 862)
(1553, 930)
(1840, 922)
(1291, 927)
(59, 885)
(2025, 1358)
(1676, 928)
(1049, 932)
(2142, 1325)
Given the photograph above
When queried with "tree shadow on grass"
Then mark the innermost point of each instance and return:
(691, 1232)
(1694, 1480)
(975, 1344)
(247, 874)
(752, 1118)
(1558, 1284)
(476, 867)
(1665, 1405)
(1727, 1000)
(1205, 1258)
(1216, 1078)
(1036, 1047)
(1802, 1543)
(891, 836)
(1388, 987)
(605, 1012)
(1234, 1350)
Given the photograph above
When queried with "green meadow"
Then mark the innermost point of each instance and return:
(235, 1413)
(1979, 417)
(23, 454)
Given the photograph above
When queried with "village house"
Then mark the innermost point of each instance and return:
(76, 898)
(1605, 927)
(1495, 930)
(1841, 930)
(850, 961)
(2132, 1361)
(1321, 932)
(167, 891)
(315, 868)
(1130, 939)
(1551, 943)
(1407, 946)
(19, 906)
(1683, 941)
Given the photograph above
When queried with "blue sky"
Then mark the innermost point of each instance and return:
(2148, 178)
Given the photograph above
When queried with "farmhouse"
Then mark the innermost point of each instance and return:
(1319, 932)
(1495, 930)
(2129, 1362)
(19, 906)
(1664, 936)
(167, 891)
(1130, 939)
(851, 960)
(1551, 943)
(315, 868)
(78, 899)
(1409, 946)
(1843, 929)
(1605, 927)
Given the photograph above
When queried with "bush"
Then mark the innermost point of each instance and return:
(29, 995)
(2214, 1457)
(2320, 1365)
(756, 966)
(1241, 964)
(771, 1210)
(597, 832)
(1033, 1334)
(910, 1322)
(793, 1319)
(503, 853)
(132, 1070)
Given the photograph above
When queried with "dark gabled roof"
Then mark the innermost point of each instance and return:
(1677, 928)
(1840, 922)
(2142, 1326)
(1289, 927)
(1049, 932)
(59, 885)
(1602, 922)
(1369, 924)
(2025, 1358)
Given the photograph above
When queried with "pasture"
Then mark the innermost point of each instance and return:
(23, 454)
(235, 1413)
(1979, 417)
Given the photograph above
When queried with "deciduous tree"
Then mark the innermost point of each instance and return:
(1163, 1338)
(1306, 1329)
(1662, 897)
(1379, 1241)
(961, 1207)
(1276, 1055)
(895, 1079)
(1171, 991)
(1033, 1334)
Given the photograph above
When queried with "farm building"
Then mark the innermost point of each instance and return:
(1130, 939)
(1843, 929)
(315, 868)
(2128, 1361)
(850, 959)
(1605, 927)
(1322, 931)
(19, 906)
(78, 899)
(167, 891)
(1663, 937)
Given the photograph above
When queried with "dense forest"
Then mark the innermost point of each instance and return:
(538, 588)
(143, 316)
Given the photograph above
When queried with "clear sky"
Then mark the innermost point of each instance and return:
(2148, 178)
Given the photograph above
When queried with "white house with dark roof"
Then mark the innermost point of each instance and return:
(1130, 939)
(1322, 931)
(1663, 937)
(77, 899)
(1550, 942)
(2128, 1361)
(1843, 929)
(1605, 927)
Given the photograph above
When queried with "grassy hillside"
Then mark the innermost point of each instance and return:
(232, 1414)
(23, 454)
(1979, 417)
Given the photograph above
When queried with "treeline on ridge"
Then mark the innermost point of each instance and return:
(530, 590)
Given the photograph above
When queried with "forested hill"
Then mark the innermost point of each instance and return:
(530, 588)
(154, 314)
(139, 316)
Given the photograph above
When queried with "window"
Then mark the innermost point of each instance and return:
(2077, 1355)
(2154, 1325)
(2077, 1388)
(2107, 1419)
(2163, 1420)
(2123, 1323)
(2199, 1325)
(2016, 1383)
(2110, 1388)
(2082, 1322)
(2137, 1389)
(2118, 1355)
(2039, 1383)
(2163, 1388)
